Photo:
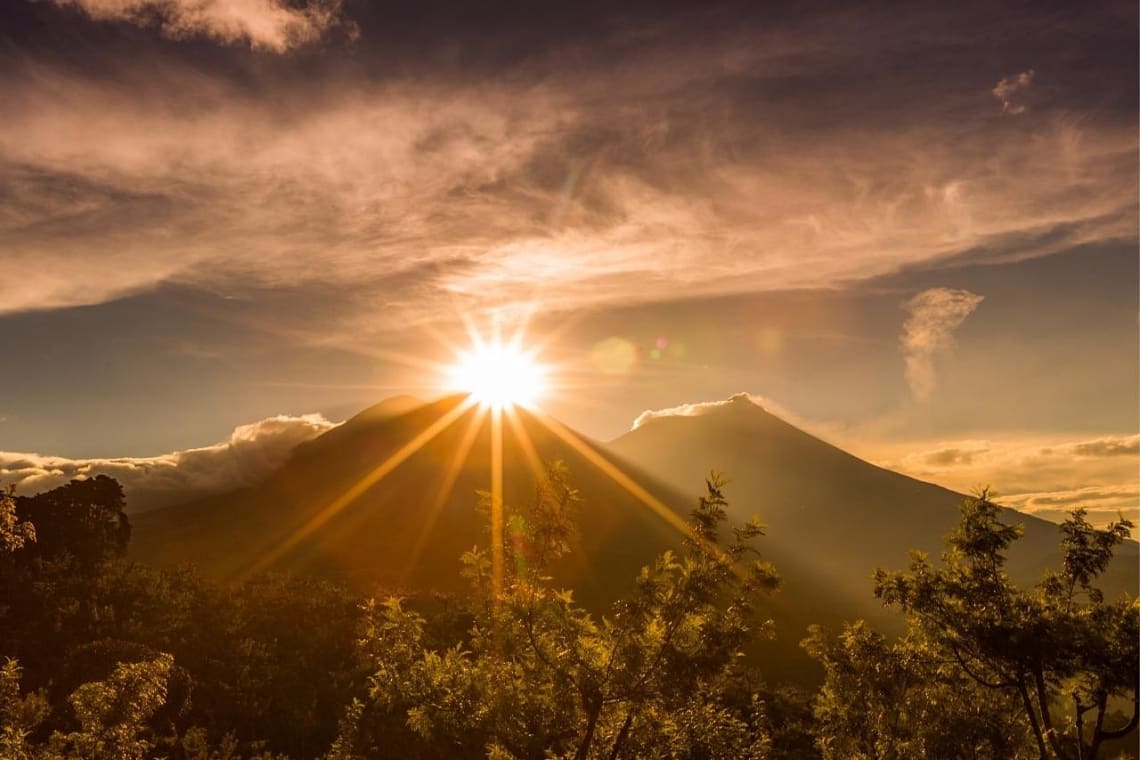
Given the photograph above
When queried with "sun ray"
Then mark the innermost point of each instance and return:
(496, 503)
(458, 459)
(523, 439)
(634, 488)
(367, 481)
(536, 466)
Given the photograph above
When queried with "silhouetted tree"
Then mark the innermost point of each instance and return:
(54, 586)
(83, 519)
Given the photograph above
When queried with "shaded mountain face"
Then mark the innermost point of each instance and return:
(838, 516)
(407, 530)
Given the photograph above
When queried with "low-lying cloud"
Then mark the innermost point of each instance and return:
(1042, 477)
(962, 454)
(1127, 446)
(743, 401)
(274, 25)
(929, 330)
(251, 453)
(698, 408)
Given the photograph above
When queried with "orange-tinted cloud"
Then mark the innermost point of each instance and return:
(1043, 476)
(650, 165)
(273, 25)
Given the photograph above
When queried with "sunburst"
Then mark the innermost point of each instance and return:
(499, 375)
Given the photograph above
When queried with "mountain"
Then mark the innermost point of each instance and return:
(407, 529)
(839, 516)
(831, 518)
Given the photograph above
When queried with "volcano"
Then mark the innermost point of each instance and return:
(387, 501)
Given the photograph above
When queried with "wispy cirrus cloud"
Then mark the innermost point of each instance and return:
(251, 453)
(274, 25)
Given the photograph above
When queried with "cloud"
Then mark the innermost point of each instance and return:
(637, 162)
(929, 330)
(737, 401)
(1104, 503)
(1006, 91)
(1042, 476)
(251, 453)
(955, 455)
(274, 25)
(1109, 447)
(696, 409)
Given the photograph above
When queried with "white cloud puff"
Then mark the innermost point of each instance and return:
(737, 400)
(249, 455)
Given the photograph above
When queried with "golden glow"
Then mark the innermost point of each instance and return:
(498, 375)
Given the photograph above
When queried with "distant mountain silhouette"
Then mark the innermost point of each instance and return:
(832, 518)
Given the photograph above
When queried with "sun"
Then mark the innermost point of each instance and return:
(498, 375)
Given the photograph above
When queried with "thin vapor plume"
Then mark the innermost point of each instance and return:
(929, 330)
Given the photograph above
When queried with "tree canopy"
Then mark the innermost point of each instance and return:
(109, 659)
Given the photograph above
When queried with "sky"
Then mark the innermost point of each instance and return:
(911, 229)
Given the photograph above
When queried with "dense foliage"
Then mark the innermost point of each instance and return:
(108, 659)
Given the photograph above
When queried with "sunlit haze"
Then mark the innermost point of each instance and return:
(230, 226)
(684, 379)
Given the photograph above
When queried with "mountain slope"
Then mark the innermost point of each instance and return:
(407, 529)
(843, 516)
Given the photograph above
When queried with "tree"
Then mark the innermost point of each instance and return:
(83, 519)
(14, 532)
(113, 714)
(54, 587)
(20, 715)
(662, 675)
(896, 700)
(1055, 645)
